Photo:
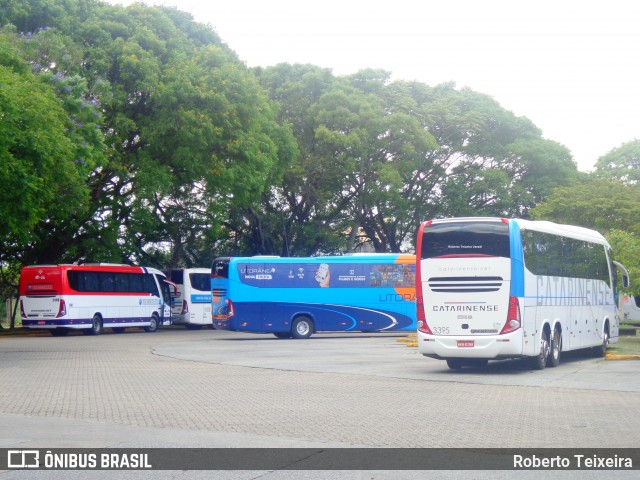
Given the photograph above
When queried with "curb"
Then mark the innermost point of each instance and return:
(614, 356)
(411, 341)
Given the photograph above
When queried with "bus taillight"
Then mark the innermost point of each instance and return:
(62, 309)
(230, 311)
(420, 316)
(514, 321)
(22, 314)
(185, 307)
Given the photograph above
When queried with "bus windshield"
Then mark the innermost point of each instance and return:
(465, 239)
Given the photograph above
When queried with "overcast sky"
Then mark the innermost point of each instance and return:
(571, 67)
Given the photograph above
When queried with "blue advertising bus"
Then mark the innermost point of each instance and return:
(295, 297)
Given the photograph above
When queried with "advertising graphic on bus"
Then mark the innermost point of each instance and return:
(492, 288)
(295, 297)
(91, 297)
(192, 306)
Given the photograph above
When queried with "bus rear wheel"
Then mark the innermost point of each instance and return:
(96, 326)
(282, 334)
(302, 327)
(454, 364)
(556, 346)
(540, 360)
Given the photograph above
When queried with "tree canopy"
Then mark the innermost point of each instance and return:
(134, 134)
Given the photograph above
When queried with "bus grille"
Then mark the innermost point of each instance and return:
(465, 284)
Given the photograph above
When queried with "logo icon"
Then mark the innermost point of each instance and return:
(23, 459)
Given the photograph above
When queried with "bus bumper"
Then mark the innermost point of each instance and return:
(481, 347)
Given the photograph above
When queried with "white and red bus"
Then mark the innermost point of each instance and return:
(91, 297)
(496, 288)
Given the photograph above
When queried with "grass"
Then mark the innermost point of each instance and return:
(627, 345)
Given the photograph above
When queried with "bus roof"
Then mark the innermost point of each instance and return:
(572, 231)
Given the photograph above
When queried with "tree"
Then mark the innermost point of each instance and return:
(599, 204)
(626, 248)
(622, 163)
(185, 132)
(46, 150)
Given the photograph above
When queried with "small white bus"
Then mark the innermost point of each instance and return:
(495, 288)
(91, 297)
(192, 307)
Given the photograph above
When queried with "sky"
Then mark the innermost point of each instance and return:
(571, 67)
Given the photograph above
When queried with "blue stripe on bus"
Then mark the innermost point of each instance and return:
(82, 321)
(326, 317)
(517, 260)
(201, 298)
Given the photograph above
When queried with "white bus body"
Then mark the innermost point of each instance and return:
(192, 307)
(491, 288)
(91, 297)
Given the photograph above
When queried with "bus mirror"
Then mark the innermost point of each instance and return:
(625, 274)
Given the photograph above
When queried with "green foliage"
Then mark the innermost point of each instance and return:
(133, 134)
(622, 164)
(626, 246)
(599, 204)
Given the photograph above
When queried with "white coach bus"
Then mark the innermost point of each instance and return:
(192, 307)
(91, 297)
(495, 288)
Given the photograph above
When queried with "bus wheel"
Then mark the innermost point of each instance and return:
(96, 326)
(602, 349)
(118, 329)
(282, 334)
(153, 324)
(454, 364)
(302, 327)
(540, 360)
(556, 346)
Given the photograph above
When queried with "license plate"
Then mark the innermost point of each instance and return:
(466, 343)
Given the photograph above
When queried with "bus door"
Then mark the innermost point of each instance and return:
(169, 292)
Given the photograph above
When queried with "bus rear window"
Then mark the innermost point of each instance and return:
(220, 268)
(465, 239)
(200, 281)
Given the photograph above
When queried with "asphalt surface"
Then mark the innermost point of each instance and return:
(208, 388)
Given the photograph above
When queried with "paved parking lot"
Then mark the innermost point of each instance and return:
(225, 389)
(179, 388)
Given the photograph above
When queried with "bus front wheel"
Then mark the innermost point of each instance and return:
(153, 324)
(302, 327)
(601, 351)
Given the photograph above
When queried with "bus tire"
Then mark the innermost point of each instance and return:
(556, 347)
(153, 324)
(96, 325)
(540, 360)
(282, 335)
(454, 363)
(601, 351)
(302, 327)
